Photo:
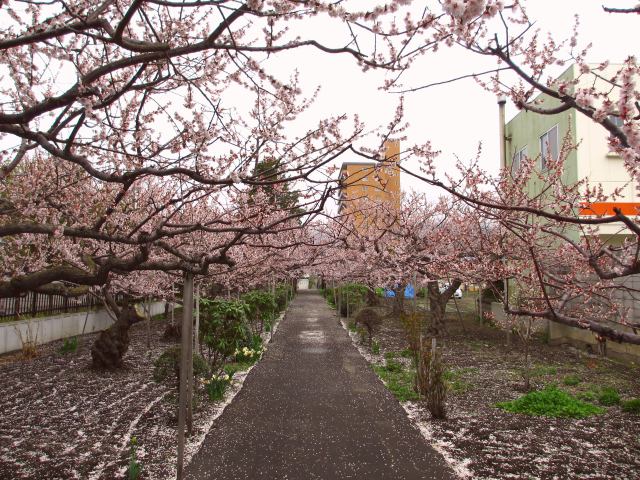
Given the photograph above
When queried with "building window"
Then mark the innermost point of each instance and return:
(518, 158)
(549, 147)
(616, 120)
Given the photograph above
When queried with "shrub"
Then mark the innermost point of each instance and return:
(632, 406)
(283, 291)
(262, 307)
(224, 328)
(357, 295)
(550, 402)
(216, 385)
(572, 380)
(608, 397)
(168, 364)
(69, 345)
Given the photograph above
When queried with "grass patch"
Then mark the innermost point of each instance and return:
(588, 396)
(399, 381)
(543, 370)
(632, 406)
(352, 326)
(231, 368)
(407, 353)
(572, 380)
(608, 397)
(455, 381)
(375, 347)
(69, 345)
(550, 402)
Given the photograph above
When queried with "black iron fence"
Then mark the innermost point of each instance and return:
(40, 304)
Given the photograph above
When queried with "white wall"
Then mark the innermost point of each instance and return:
(303, 284)
(48, 329)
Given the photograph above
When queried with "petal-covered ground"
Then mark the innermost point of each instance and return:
(62, 420)
(484, 442)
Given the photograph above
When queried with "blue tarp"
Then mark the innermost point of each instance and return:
(409, 292)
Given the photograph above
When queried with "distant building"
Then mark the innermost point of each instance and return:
(531, 134)
(371, 181)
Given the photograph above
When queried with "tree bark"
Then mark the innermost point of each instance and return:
(110, 347)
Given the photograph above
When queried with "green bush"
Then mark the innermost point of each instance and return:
(572, 380)
(224, 328)
(69, 345)
(217, 385)
(262, 308)
(550, 402)
(608, 397)
(632, 406)
(283, 292)
(168, 365)
(357, 295)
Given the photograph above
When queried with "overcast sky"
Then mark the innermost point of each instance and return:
(457, 117)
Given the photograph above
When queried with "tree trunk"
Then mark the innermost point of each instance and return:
(110, 347)
(437, 309)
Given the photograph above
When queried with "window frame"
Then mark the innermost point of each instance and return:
(519, 155)
(543, 163)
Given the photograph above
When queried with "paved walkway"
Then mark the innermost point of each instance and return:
(314, 409)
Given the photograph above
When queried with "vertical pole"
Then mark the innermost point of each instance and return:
(196, 341)
(173, 305)
(148, 322)
(347, 301)
(415, 292)
(501, 131)
(187, 319)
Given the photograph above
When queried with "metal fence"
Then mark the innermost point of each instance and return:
(33, 304)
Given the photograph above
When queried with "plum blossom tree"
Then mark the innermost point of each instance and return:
(123, 137)
(571, 274)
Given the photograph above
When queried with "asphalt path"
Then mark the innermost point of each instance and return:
(314, 409)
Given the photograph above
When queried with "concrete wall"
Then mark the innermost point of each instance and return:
(560, 334)
(48, 329)
(563, 334)
(303, 284)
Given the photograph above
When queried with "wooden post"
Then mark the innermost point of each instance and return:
(196, 334)
(185, 360)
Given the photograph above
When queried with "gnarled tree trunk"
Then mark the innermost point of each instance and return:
(110, 347)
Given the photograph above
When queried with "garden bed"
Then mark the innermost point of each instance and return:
(62, 420)
(482, 441)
